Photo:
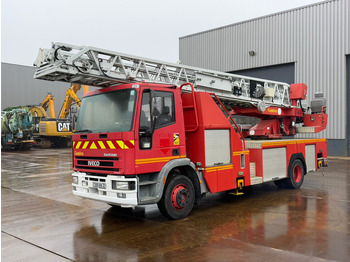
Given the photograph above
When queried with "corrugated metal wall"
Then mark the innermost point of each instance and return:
(18, 87)
(315, 37)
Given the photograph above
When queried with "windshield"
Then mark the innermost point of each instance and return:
(107, 112)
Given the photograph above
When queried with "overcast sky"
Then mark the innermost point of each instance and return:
(148, 28)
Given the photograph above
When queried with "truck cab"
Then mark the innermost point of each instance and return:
(127, 140)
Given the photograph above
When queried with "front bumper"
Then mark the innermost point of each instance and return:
(101, 189)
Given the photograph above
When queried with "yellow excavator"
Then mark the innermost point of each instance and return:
(40, 110)
(70, 97)
(50, 131)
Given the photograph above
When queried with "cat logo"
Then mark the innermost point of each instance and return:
(63, 127)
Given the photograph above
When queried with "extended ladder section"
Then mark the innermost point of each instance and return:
(102, 68)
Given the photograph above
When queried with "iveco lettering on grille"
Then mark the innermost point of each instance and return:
(94, 163)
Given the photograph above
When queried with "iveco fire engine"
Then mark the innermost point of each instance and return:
(165, 133)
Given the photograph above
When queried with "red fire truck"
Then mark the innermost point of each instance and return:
(165, 133)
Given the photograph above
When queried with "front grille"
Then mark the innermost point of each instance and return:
(42, 128)
(98, 168)
(86, 163)
(97, 158)
(95, 174)
(97, 164)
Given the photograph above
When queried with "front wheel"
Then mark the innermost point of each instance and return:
(178, 198)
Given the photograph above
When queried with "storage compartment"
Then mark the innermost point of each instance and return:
(310, 157)
(217, 147)
(274, 163)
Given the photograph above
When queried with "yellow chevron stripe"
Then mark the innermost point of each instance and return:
(110, 144)
(122, 144)
(78, 145)
(93, 146)
(101, 145)
(156, 160)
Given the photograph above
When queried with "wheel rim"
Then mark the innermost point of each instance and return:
(179, 197)
(297, 174)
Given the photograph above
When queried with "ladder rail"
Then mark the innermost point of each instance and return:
(194, 106)
(102, 68)
(86, 49)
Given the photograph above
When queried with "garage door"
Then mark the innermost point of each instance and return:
(281, 72)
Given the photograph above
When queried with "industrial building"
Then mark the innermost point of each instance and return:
(18, 87)
(310, 45)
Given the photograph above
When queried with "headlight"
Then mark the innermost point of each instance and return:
(75, 180)
(119, 185)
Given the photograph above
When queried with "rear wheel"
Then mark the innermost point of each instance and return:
(295, 177)
(295, 174)
(178, 198)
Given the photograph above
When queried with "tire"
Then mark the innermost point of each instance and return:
(45, 143)
(5, 147)
(178, 198)
(27, 146)
(296, 174)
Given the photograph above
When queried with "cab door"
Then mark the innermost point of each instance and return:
(159, 130)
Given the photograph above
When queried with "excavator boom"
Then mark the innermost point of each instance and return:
(49, 103)
(70, 98)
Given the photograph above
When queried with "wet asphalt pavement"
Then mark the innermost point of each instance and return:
(42, 220)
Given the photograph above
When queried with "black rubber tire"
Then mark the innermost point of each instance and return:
(27, 146)
(296, 173)
(5, 147)
(180, 188)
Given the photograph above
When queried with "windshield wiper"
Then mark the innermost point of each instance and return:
(83, 131)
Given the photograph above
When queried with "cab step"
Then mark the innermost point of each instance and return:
(235, 192)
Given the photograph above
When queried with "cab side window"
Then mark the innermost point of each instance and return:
(145, 116)
(164, 109)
